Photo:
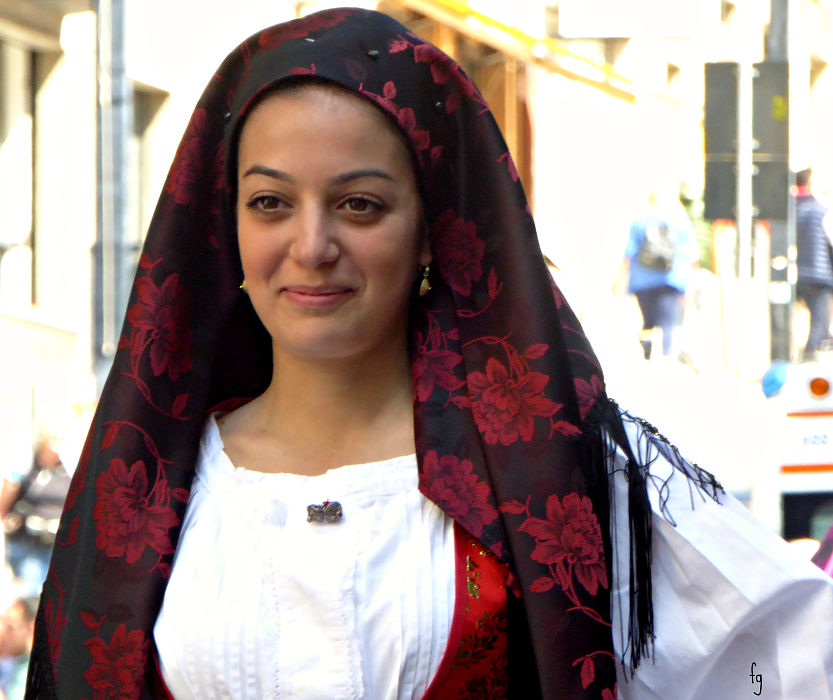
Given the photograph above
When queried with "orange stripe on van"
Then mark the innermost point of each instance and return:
(814, 414)
(806, 468)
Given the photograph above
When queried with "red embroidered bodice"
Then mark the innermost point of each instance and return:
(475, 661)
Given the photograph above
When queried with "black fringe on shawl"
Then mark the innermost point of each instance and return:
(605, 426)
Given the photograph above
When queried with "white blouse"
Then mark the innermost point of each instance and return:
(263, 604)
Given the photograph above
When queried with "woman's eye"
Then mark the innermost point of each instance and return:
(361, 205)
(265, 203)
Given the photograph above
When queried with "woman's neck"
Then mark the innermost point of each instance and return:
(318, 415)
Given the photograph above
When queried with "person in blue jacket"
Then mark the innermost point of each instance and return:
(660, 256)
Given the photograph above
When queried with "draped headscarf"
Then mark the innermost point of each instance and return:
(511, 415)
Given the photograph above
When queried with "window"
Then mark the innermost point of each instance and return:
(16, 172)
(22, 72)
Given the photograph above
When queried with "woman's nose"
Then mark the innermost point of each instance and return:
(314, 241)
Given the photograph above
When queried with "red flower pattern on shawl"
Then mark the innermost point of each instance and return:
(443, 69)
(459, 251)
(79, 476)
(451, 483)
(118, 667)
(53, 614)
(160, 314)
(126, 519)
(300, 28)
(420, 139)
(587, 391)
(194, 159)
(571, 540)
(504, 407)
(432, 367)
(510, 165)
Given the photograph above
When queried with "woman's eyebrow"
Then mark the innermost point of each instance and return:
(360, 173)
(269, 172)
(335, 180)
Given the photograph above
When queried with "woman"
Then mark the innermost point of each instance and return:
(407, 470)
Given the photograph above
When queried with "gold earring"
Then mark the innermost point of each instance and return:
(244, 286)
(425, 284)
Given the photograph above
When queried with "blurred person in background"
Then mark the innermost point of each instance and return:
(355, 443)
(30, 507)
(814, 243)
(17, 627)
(659, 262)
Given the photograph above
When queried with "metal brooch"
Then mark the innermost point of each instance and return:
(327, 512)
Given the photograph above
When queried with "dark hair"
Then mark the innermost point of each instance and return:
(802, 177)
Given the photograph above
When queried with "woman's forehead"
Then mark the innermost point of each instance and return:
(304, 117)
(318, 96)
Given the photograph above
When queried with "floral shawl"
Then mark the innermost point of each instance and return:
(512, 422)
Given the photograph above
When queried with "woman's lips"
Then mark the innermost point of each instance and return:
(317, 296)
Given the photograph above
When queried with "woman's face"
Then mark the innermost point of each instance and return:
(328, 220)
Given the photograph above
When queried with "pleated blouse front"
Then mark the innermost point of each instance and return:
(263, 604)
